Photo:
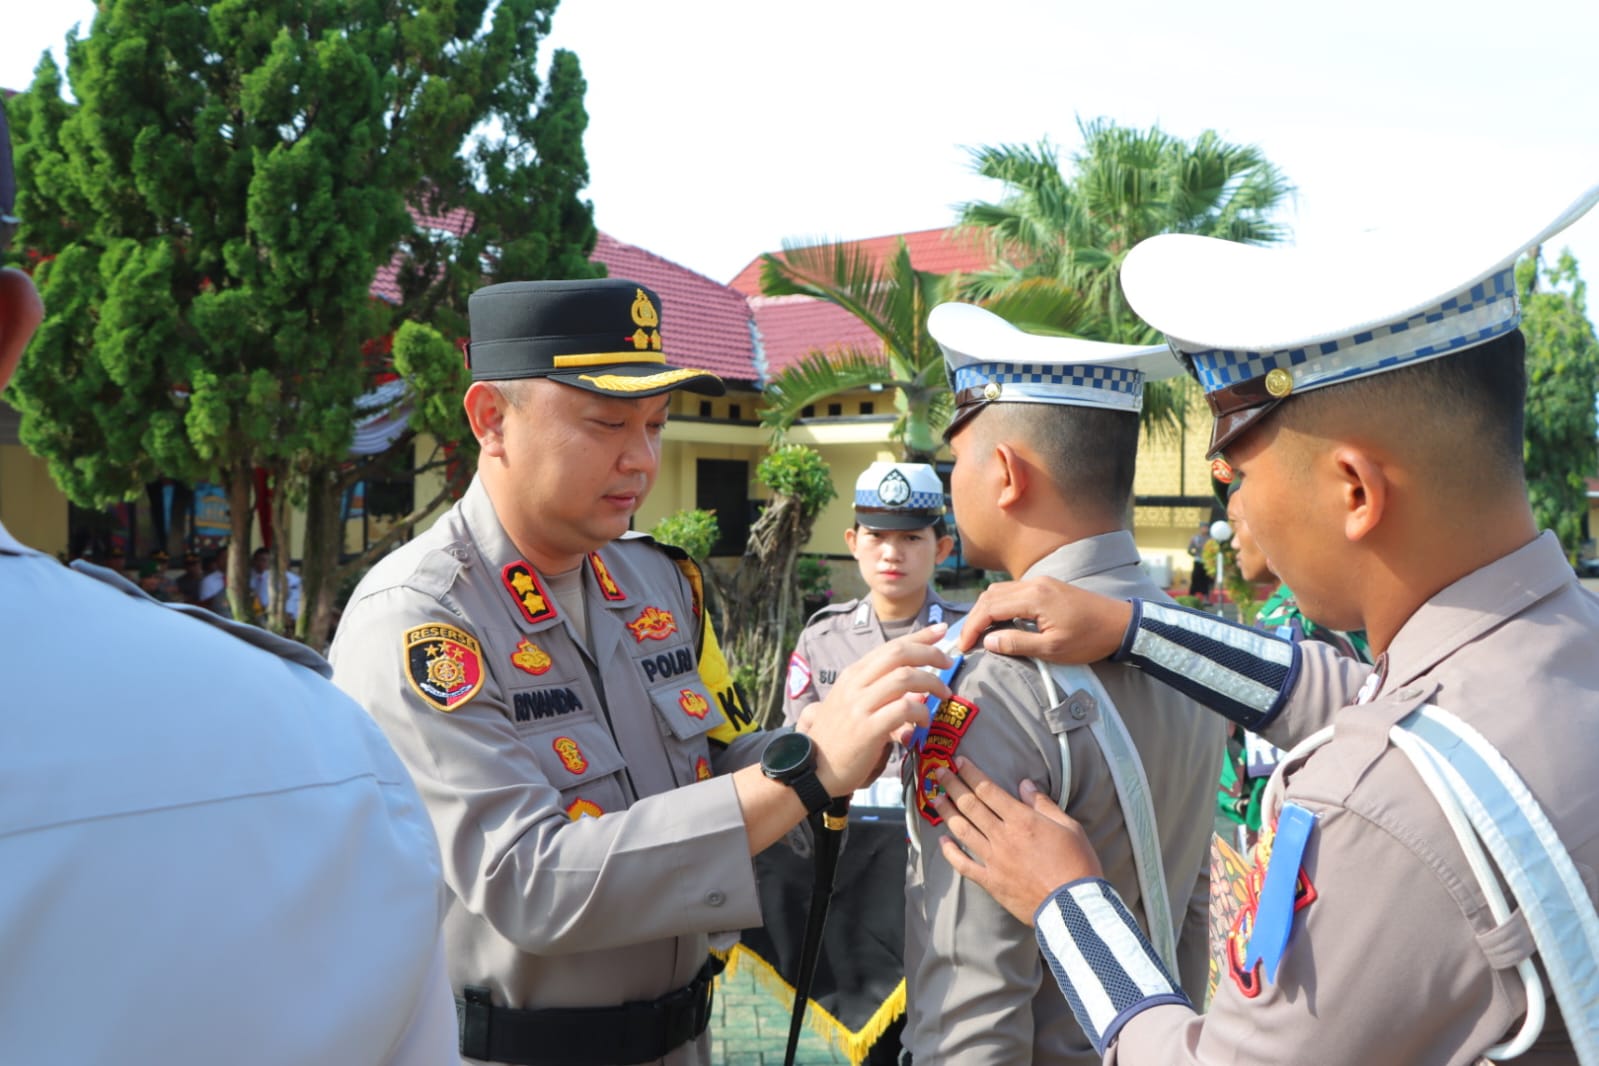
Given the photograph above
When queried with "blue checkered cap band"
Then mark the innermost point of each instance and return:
(1486, 311)
(907, 487)
(1118, 388)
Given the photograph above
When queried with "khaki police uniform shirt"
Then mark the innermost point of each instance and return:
(840, 634)
(590, 842)
(977, 989)
(1396, 958)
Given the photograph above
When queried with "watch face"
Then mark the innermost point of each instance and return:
(786, 754)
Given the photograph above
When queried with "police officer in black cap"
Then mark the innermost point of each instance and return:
(558, 693)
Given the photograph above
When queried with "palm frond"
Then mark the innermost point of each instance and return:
(816, 377)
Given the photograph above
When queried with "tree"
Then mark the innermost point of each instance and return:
(1562, 385)
(760, 602)
(1126, 185)
(211, 214)
(892, 300)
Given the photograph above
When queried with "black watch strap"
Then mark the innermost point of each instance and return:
(811, 791)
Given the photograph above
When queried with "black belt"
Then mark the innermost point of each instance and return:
(585, 1036)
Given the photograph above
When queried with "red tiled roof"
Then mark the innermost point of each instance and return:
(704, 323)
(938, 251)
(794, 326)
(386, 285)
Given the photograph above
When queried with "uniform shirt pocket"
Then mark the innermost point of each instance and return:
(580, 760)
(686, 709)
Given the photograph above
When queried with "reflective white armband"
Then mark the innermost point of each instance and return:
(1104, 964)
(1240, 673)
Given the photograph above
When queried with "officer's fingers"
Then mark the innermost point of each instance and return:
(1042, 804)
(991, 607)
(903, 681)
(917, 649)
(970, 835)
(984, 791)
(963, 863)
(893, 716)
(985, 816)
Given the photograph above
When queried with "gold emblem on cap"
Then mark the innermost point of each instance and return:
(1279, 382)
(991, 391)
(646, 318)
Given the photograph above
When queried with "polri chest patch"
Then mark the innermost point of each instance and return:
(949, 724)
(653, 623)
(443, 664)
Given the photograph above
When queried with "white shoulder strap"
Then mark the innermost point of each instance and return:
(1132, 793)
(1484, 798)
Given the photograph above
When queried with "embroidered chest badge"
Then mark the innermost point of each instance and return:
(1276, 889)
(570, 754)
(694, 705)
(528, 593)
(443, 664)
(652, 624)
(950, 723)
(582, 808)
(602, 576)
(702, 769)
(530, 658)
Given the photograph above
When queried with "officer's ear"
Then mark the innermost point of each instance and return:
(946, 544)
(486, 406)
(1011, 474)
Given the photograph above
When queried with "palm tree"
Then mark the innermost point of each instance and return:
(1127, 185)
(892, 299)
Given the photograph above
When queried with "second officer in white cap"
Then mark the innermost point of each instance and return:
(898, 540)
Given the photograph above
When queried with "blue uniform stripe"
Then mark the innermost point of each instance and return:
(1240, 673)
(1105, 966)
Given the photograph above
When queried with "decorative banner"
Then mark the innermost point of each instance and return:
(211, 518)
(858, 994)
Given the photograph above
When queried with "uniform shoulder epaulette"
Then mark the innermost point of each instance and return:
(829, 610)
(266, 640)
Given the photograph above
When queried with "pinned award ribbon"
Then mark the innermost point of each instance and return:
(1280, 895)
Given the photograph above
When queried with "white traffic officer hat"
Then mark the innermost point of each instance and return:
(1257, 325)
(991, 361)
(898, 496)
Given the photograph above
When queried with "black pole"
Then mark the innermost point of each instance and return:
(829, 837)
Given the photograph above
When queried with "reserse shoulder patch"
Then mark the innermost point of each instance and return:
(949, 724)
(443, 664)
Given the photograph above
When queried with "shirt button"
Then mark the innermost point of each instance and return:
(1080, 705)
(715, 899)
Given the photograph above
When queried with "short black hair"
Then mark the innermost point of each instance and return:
(1467, 407)
(1090, 452)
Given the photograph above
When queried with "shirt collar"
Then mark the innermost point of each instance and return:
(1477, 603)
(1091, 555)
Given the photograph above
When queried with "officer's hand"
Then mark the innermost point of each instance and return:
(20, 313)
(1020, 851)
(1072, 625)
(875, 699)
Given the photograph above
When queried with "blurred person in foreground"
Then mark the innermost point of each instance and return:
(210, 853)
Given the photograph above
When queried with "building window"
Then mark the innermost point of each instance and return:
(834, 410)
(735, 412)
(722, 485)
(868, 407)
(808, 411)
(705, 409)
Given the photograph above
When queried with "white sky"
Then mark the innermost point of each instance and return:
(719, 128)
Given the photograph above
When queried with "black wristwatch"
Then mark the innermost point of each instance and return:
(791, 759)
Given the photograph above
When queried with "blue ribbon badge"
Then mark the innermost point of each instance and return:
(1274, 915)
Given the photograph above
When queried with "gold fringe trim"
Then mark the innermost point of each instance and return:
(852, 1044)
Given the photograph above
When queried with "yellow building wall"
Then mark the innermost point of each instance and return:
(31, 507)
